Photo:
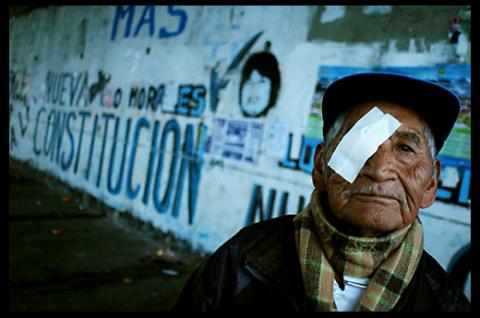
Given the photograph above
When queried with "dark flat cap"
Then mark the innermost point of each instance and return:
(437, 105)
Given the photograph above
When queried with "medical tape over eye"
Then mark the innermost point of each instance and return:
(361, 142)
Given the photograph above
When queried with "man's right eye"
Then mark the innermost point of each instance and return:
(406, 148)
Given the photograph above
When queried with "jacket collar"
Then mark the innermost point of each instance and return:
(275, 259)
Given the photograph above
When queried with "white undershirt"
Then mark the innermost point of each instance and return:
(349, 298)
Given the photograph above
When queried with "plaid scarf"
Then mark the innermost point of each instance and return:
(389, 261)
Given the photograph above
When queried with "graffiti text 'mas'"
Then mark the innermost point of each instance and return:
(135, 23)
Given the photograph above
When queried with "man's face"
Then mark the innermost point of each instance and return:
(395, 182)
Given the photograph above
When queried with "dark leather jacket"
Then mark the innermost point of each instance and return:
(258, 268)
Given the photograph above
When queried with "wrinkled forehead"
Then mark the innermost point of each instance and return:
(411, 120)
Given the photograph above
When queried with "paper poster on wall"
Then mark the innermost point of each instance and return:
(458, 143)
(315, 119)
(239, 140)
(276, 139)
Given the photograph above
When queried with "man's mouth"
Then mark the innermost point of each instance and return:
(379, 197)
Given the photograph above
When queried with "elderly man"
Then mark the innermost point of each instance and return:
(358, 244)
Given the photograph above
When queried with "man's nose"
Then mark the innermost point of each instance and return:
(381, 165)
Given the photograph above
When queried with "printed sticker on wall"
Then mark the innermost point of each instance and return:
(276, 139)
(239, 140)
(315, 119)
(458, 143)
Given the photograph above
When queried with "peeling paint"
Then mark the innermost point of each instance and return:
(401, 24)
(332, 13)
(372, 10)
(82, 38)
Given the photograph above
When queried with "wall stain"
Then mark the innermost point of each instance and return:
(401, 24)
(99, 86)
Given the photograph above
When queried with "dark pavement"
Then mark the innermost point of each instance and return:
(69, 252)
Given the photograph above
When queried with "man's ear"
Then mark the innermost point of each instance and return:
(430, 194)
(318, 174)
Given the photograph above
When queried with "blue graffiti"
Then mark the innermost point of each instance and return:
(151, 159)
(68, 162)
(257, 211)
(71, 89)
(171, 128)
(19, 88)
(84, 116)
(191, 100)
(115, 189)
(150, 99)
(37, 151)
(107, 118)
(191, 160)
(307, 152)
(181, 14)
(305, 159)
(67, 88)
(133, 192)
(173, 155)
(19, 80)
(120, 13)
(92, 145)
(147, 20)
(217, 82)
(461, 193)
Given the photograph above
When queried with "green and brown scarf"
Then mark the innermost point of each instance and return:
(389, 261)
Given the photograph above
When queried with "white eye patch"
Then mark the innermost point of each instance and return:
(361, 142)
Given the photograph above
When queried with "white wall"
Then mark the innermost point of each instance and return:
(56, 55)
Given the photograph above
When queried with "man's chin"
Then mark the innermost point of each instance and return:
(374, 222)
